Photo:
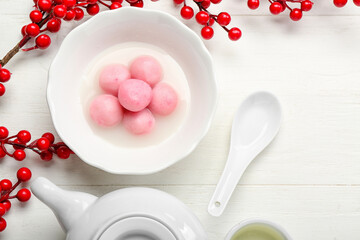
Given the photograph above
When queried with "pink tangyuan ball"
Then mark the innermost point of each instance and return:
(111, 76)
(134, 94)
(106, 110)
(146, 68)
(139, 123)
(164, 100)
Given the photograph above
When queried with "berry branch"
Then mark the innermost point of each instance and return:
(6, 188)
(205, 18)
(23, 41)
(43, 146)
(279, 6)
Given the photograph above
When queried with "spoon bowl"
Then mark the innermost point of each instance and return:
(256, 123)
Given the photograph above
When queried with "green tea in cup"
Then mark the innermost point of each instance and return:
(257, 230)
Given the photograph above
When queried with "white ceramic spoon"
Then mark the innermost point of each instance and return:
(255, 125)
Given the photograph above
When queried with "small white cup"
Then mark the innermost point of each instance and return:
(245, 223)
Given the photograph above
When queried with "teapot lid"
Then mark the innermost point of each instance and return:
(137, 228)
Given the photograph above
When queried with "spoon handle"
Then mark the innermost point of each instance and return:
(235, 167)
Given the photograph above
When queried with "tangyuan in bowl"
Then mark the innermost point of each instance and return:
(119, 37)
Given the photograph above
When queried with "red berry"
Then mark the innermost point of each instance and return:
(253, 4)
(24, 136)
(59, 11)
(223, 18)
(2, 224)
(23, 30)
(115, 5)
(49, 136)
(57, 2)
(69, 3)
(23, 195)
(202, 17)
(79, 14)
(357, 3)
(53, 25)
(2, 154)
(205, 4)
(43, 144)
(4, 75)
(4, 132)
(2, 89)
(44, 5)
(16, 141)
(93, 9)
(119, 1)
(43, 41)
(5, 184)
(7, 205)
(178, 1)
(32, 30)
(70, 15)
(24, 174)
(63, 152)
(215, 1)
(207, 32)
(132, 1)
(36, 16)
(138, 4)
(211, 22)
(306, 5)
(19, 154)
(296, 14)
(276, 8)
(234, 33)
(92, 1)
(2, 210)
(340, 3)
(187, 12)
(46, 155)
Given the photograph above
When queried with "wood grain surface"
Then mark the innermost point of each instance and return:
(308, 180)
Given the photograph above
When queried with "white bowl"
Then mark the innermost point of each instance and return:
(99, 33)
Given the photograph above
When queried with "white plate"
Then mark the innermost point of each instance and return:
(101, 32)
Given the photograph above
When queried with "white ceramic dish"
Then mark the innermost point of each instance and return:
(99, 33)
(248, 222)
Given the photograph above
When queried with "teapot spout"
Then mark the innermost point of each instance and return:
(67, 206)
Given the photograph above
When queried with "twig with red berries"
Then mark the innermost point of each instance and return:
(43, 146)
(279, 6)
(6, 188)
(205, 18)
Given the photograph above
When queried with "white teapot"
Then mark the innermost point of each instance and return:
(126, 214)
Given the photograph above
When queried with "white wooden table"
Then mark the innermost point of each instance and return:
(308, 180)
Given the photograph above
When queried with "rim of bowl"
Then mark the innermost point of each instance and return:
(186, 30)
(251, 221)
